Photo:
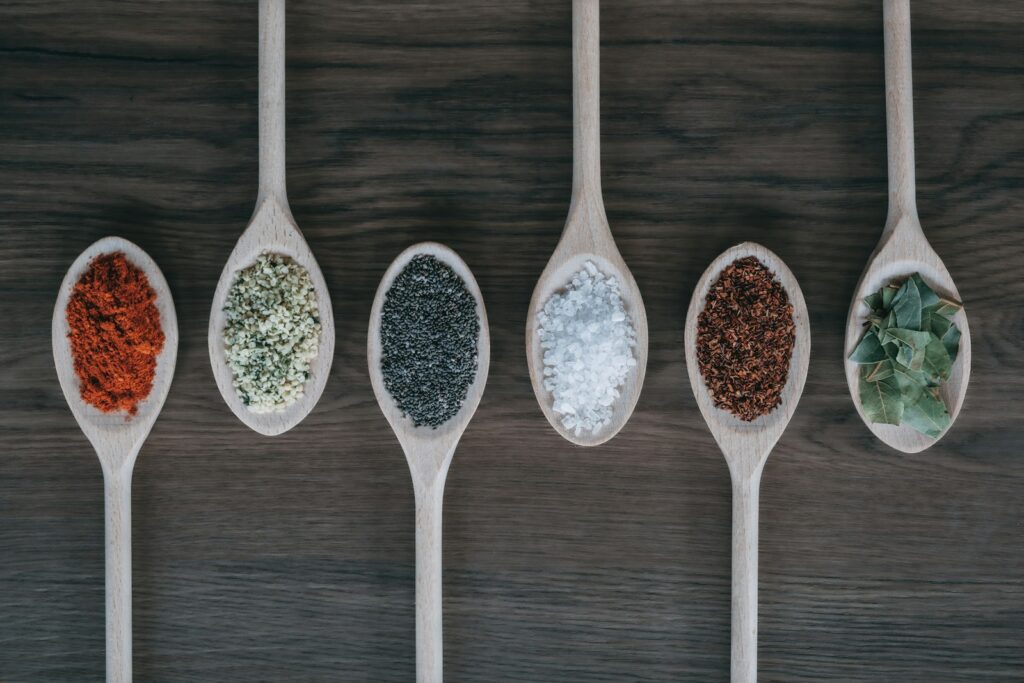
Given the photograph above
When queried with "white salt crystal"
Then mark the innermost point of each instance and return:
(588, 343)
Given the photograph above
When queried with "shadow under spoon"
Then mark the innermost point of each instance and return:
(272, 230)
(117, 440)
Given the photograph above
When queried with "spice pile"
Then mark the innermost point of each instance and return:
(429, 332)
(906, 355)
(115, 334)
(271, 331)
(745, 337)
(588, 341)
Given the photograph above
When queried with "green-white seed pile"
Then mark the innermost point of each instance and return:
(271, 331)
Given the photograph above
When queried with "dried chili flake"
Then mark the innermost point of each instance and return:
(745, 337)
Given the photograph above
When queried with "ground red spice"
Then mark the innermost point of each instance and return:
(745, 337)
(115, 334)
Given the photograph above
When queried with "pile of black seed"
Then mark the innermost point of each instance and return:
(429, 333)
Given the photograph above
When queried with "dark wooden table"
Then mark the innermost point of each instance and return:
(291, 558)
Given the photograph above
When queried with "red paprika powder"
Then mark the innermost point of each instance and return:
(115, 334)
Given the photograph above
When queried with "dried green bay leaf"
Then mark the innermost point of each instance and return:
(937, 363)
(881, 400)
(914, 338)
(907, 306)
(928, 295)
(888, 294)
(908, 357)
(906, 354)
(869, 350)
(928, 414)
(951, 340)
(880, 370)
(937, 324)
(911, 383)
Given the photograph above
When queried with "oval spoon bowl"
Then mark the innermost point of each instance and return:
(734, 435)
(272, 230)
(566, 262)
(112, 432)
(907, 252)
(411, 437)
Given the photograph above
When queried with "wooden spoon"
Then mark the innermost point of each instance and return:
(272, 229)
(429, 454)
(746, 446)
(586, 236)
(903, 249)
(117, 439)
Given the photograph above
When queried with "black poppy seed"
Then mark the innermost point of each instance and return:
(429, 334)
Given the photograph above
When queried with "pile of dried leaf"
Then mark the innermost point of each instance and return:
(906, 354)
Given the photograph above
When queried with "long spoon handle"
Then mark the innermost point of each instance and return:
(899, 110)
(271, 120)
(586, 94)
(744, 577)
(118, 503)
(429, 643)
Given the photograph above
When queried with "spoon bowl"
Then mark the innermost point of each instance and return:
(563, 265)
(587, 236)
(439, 442)
(903, 249)
(428, 452)
(272, 229)
(746, 445)
(117, 439)
(907, 252)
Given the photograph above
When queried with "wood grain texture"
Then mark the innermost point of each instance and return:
(292, 558)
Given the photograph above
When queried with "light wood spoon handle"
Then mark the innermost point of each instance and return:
(899, 111)
(271, 119)
(586, 98)
(429, 605)
(117, 487)
(744, 577)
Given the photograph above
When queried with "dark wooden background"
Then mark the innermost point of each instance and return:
(291, 558)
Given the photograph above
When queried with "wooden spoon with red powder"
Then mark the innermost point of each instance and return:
(115, 342)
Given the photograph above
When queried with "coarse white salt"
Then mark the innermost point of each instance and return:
(588, 341)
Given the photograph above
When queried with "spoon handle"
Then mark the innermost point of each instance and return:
(117, 489)
(899, 110)
(586, 98)
(429, 643)
(271, 119)
(744, 577)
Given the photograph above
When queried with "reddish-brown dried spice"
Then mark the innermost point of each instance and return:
(115, 334)
(745, 337)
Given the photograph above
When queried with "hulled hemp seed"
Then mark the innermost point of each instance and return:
(271, 332)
